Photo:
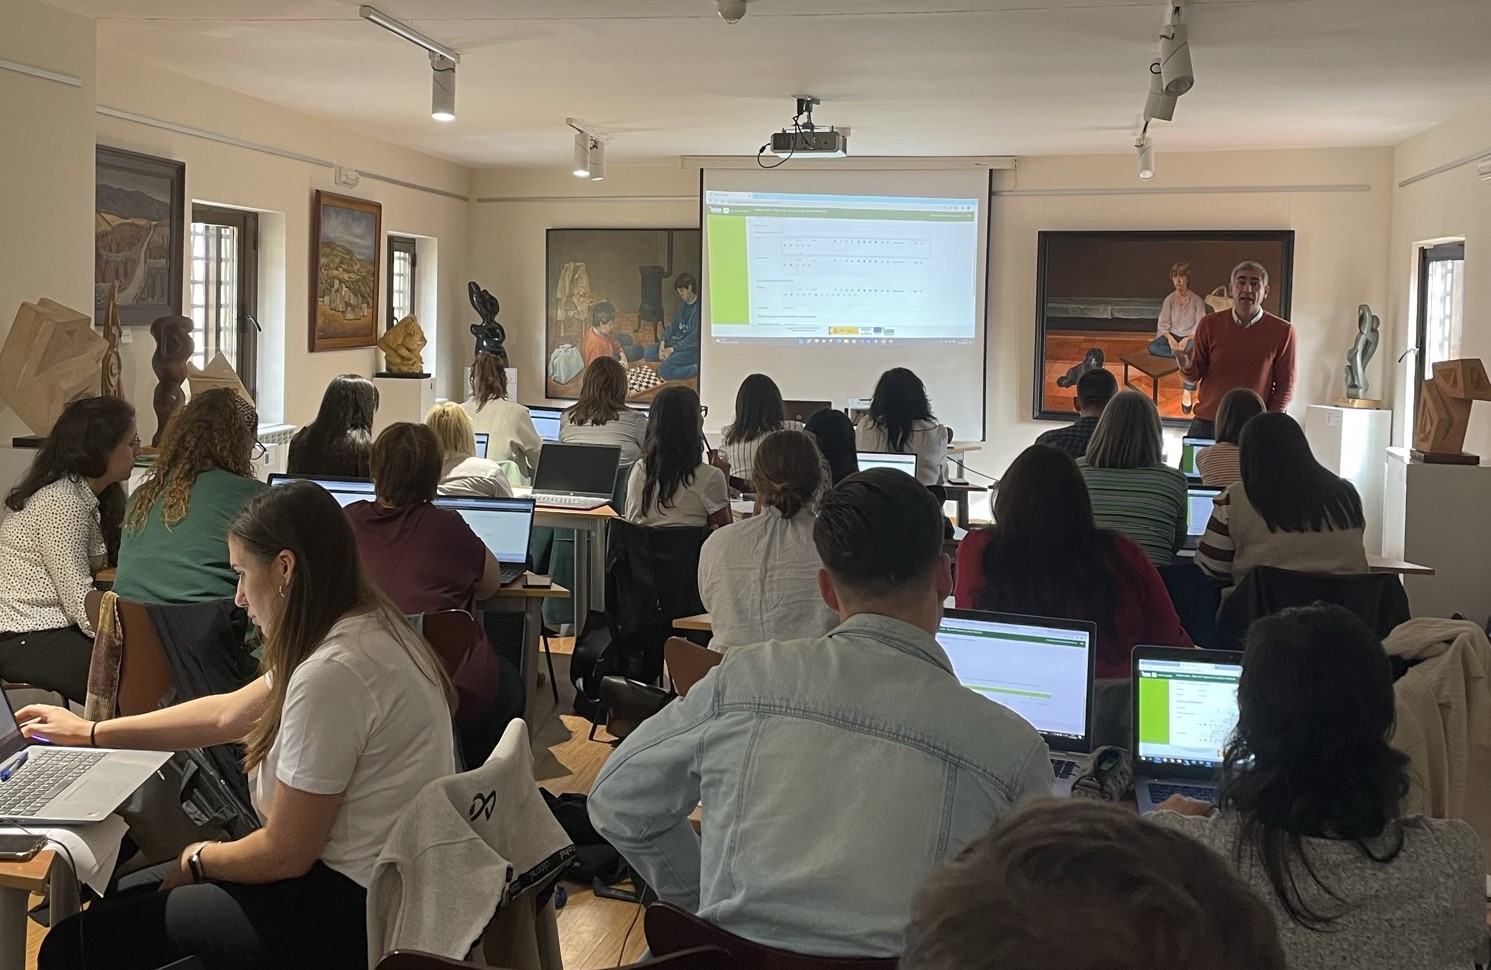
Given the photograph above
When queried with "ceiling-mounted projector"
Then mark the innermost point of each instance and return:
(810, 142)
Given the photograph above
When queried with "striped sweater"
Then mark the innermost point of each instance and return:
(1146, 504)
(1237, 539)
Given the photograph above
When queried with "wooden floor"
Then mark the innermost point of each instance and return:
(1066, 348)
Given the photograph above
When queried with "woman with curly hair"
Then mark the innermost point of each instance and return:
(175, 543)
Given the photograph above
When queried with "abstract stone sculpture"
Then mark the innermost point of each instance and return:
(173, 346)
(1368, 327)
(50, 359)
(401, 347)
(112, 383)
(1444, 411)
(219, 373)
(490, 336)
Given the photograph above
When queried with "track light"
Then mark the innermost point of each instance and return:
(1158, 105)
(582, 155)
(597, 160)
(731, 11)
(1176, 75)
(442, 88)
(1145, 148)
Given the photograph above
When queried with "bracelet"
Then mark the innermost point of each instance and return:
(93, 735)
(194, 863)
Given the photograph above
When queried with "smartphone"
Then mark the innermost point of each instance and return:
(20, 848)
(535, 581)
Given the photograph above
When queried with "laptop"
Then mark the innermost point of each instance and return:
(66, 786)
(1188, 448)
(1199, 504)
(481, 444)
(1038, 667)
(546, 420)
(1185, 710)
(885, 459)
(344, 490)
(802, 410)
(575, 476)
(503, 525)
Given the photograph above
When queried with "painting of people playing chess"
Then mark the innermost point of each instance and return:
(1131, 301)
(629, 294)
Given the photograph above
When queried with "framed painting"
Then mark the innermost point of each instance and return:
(631, 294)
(139, 234)
(1123, 300)
(345, 236)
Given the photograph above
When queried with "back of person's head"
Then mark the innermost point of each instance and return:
(1096, 388)
(216, 429)
(758, 409)
(1239, 406)
(835, 436)
(900, 400)
(347, 405)
(1080, 885)
(1290, 489)
(406, 464)
(787, 472)
(601, 314)
(1310, 756)
(879, 534)
(452, 427)
(1128, 435)
(674, 446)
(302, 521)
(602, 392)
(78, 445)
(489, 378)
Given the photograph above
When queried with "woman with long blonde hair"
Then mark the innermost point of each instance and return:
(601, 416)
(351, 718)
(508, 426)
(462, 470)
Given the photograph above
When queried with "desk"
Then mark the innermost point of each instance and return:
(106, 575)
(956, 451)
(1375, 564)
(515, 597)
(589, 527)
(1155, 368)
(958, 492)
(701, 622)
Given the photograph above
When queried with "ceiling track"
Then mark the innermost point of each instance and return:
(41, 72)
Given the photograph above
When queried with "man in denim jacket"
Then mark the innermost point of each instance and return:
(834, 774)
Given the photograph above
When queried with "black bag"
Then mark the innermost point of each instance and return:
(591, 661)
(186, 801)
(595, 858)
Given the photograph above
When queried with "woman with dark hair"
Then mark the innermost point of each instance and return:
(339, 442)
(175, 545)
(758, 579)
(1220, 464)
(901, 422)
(671, 484)
(1310, 801)
(834, 434)
(758, 412)
(600, 416)
(1287, 511)
(350, 719)
(508, 426)
(53, 538)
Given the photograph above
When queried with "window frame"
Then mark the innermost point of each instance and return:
(1444, 252)
(247, 259)
(401, 244)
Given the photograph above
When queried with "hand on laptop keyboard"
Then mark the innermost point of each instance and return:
(1184, 799)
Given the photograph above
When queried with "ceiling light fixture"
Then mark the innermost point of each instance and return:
(582, 155)
(1176, 74)
(1145, 148)
(1158, 105)
(731, 11)
(597, 160)
(590, 152)
(443, 62)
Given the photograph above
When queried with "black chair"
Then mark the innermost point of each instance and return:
(1195, 598)
(1377, 598)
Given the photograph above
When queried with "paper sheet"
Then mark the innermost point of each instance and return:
(94, 848)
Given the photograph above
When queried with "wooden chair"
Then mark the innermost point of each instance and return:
(671, 930)
(688, 662)
(452, 633)
(696, 958)
(144, 673)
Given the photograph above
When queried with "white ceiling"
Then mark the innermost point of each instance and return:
(664, 78)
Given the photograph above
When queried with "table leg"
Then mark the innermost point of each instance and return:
(533, 627)
(963, 515)
(13, 904)
(598, 564)
(579, 597)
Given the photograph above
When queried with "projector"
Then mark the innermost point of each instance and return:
(810, 143)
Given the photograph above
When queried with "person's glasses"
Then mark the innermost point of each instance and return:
(704, 410)
(259, 452)
(134, 442)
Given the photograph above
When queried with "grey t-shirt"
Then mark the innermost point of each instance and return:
(1425, 910)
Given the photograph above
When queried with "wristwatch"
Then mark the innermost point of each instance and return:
(194, 863)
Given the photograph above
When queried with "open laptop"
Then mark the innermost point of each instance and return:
(885, 459)
(1199, 504)
(1188, 448)
(344, 490)
(503, 525)
(65, 786)
(575, 476)
(481, 444)
(546, 421)
(1038, 667)
(802, 410)
(1185, 710)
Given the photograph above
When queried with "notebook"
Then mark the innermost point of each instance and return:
(1185, 710)
(504, 526)
(344, 490)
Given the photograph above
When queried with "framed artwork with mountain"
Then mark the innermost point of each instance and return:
(139, 234)
(345, 236)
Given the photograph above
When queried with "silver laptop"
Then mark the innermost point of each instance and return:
(344, 490)
(66, 786)
(504, 526)
(885, 459)
(1038, 667)
(575, 476)
(481, 444)
(546, 422)
(1185, 710)
(1199, 504)
(1188, 448)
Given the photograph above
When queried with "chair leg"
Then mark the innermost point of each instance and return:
(549, 656)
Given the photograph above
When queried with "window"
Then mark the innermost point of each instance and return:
(401, 263)
(1441, 311)
(224, 289)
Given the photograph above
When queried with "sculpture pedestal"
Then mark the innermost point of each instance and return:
(1433, 515)
(402, 398)
(1351, 443)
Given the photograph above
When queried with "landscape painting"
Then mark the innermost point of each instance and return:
(139, 234)
(1127, 301)
(345, 236)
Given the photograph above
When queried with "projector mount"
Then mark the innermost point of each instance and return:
(805, 138)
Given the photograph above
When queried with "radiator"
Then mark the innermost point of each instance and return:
(276, 441)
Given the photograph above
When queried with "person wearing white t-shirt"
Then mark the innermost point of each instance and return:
(901, 422)
(758, 412)
(461, 471)
(600, 416)
(671, 484)
(508, 426)
(350, 720)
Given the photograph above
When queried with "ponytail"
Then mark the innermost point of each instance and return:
(787, 471)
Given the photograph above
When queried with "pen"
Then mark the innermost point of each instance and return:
(11, 768)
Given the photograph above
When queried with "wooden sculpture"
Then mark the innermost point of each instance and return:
(219, 373)
(1444, 411)
(112, 382)
(50, 359)
(401, 347)
(173, 346)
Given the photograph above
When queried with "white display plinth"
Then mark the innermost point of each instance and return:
(1436, 515)
(14, 463)
(402, 399)
(1351, 442)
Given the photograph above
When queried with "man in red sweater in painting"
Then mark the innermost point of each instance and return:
(1241, 347)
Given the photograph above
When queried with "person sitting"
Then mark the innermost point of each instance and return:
(1095, 389)
(461, 471)
(175, 542)
(1310, 801)
(53, 538)
(1220, 464)
(758, 412)
(758, 579)
(426, 559)
(600, 416)
(900, 421)
(350, 719)
(339, 441)
(671, 484)
(1132, 490)
(1130, 895)
(602, 340)
(1287, 511)
(508, 426)
(834, 433)
(853, 763)
(677, 353)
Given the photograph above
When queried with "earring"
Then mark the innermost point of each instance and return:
(282, 591)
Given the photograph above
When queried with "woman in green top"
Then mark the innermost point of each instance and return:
(1132, 490)
(174, 547)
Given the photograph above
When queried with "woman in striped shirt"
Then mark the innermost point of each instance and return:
(1219, 464)
(1132, 490)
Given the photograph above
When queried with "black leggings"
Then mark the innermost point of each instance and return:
(51, 659)
(317, 921)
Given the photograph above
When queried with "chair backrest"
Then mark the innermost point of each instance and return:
(652, 579)
(144, 672)
(671, 930)
(688, 662)
(452, 633)
(697, 958)
(1377, 598)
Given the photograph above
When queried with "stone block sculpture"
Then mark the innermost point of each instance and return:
(50, 359)
(219, 373)
(401, 347)
(490, 335)
(1368, 336)
(1444, 411)
(173, 347)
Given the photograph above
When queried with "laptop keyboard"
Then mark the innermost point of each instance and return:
(42, 779)
(1161, 790)
(1062, 768)
(510, 573)
(567, 501)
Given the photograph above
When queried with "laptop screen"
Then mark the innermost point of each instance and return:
(1199, 503)
(546, 420)
(802, 410)
(1188, 449)
(576, 469)
(503, 524)
(481, 444)
(881, 459)
(1186, 709)
(11, 739)
(344, 490)
(1041, 669)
